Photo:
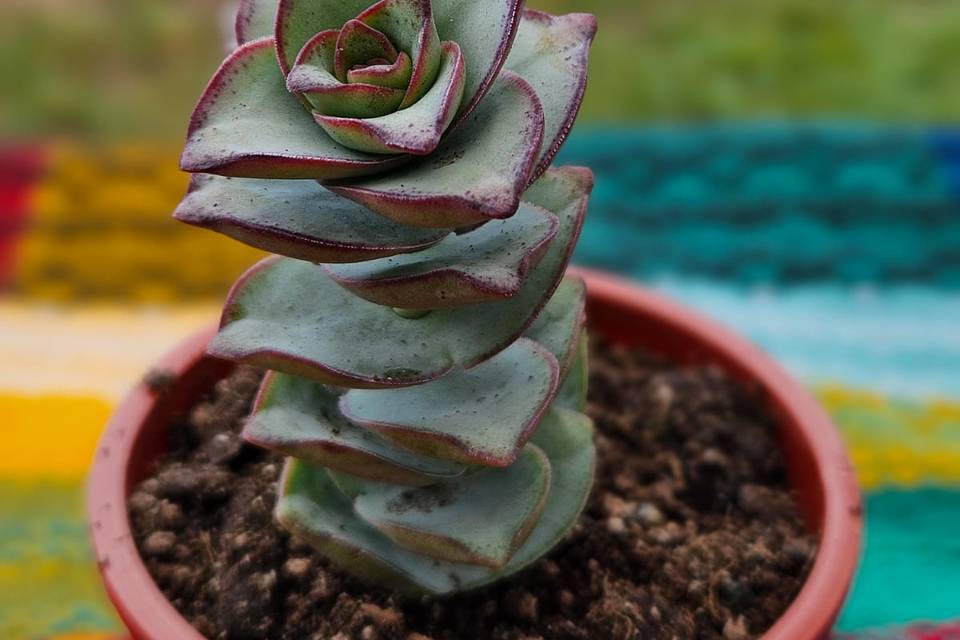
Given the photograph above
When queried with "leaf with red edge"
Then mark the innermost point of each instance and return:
(312, 78)
(409, 25)
(298, 21)
(297, 218)
(560, 324)
(300, 418)
(255, 19)
(247, 124)
(415, 130)
(480, 416)
(357, 44)
(312, 507)
(393, 76)
(290, 316)
(485, 32)
(483, 265)
(480, 518)
(478, 172)
(551, 53)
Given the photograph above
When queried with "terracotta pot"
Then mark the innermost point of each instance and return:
(819, 468)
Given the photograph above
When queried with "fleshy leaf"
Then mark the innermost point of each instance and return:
(481, 416)
(312, 78)
(551, 53)
(297, 218)
(311, 506)
(478, 172)
(559, 325)
(289, 316)
(300, 20)
(409, 25)
(566, 437)
(480, 518)
(255, 20)
(417, 129)
(485, 31)
(358, 43)
(300, 418)
(247, 124)
(486, 264)
(573, 390)
(393, 76)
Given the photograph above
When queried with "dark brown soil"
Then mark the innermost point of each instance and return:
(691, 531)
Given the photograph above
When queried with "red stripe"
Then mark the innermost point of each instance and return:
(20, 170)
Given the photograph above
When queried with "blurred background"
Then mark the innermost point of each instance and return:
(790, 167)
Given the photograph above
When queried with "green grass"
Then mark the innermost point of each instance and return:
(106, 68)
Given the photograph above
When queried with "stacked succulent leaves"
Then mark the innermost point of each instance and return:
(427, 356)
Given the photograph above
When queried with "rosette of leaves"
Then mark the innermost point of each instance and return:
(426, 355)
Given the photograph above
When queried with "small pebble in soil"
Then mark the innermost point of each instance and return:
(690, 532)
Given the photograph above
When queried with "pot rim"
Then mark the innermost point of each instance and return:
(149, 615)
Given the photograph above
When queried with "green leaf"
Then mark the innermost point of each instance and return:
(300, 418)
(290, 316)
(300, 20)
(416, 129)
(566, 437)
(551, 53)
(559, 325)
(312, 77)
(482, 415)
(247, 124)
(357, 44)
(480, 518)
(312, 507)
(573, 390)
(478, 172)
(409, 25)
(394, 76)
(485, 31)
(297, 218)
(255, 20)
(483, 265)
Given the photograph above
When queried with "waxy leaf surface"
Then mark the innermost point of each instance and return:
(300, 418)
(291, 316)
(486, 264)
(247, 124)
(559, 325)
(485, 31)
(483, 415)
(255, 19)
(297, 218)
(478, 172)
(312, 78)
(314, 508)
(416, 129)
(300, 20)
(551, 53)
(573, 389)
(409, 25)
(479, 518)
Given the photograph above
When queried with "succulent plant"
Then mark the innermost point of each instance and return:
(426, 354)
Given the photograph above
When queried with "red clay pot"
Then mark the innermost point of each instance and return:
(818, 465)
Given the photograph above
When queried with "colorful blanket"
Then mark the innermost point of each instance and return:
(836, 248)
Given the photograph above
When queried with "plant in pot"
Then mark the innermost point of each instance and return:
(425, 348)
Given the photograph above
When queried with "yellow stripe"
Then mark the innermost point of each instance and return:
(50, 436)
(97, 352)
(897, 442)
(102, 228)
